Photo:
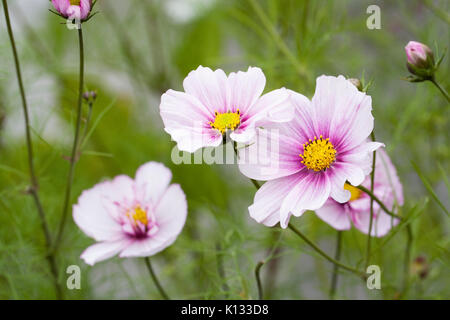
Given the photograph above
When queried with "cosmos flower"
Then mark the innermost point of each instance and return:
(387, 188)
(74, 9)
(135, 218)
(214, 104)
(323, 147)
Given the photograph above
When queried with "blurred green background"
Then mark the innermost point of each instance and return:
(135, 51)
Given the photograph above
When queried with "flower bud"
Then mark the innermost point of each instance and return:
(90, 96)
(357, 83)
(420, 267)
(420, 60)
(73, 9)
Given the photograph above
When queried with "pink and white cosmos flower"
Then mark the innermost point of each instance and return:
(74, 9)
(387, 188)
(214, 103)
(323, 147)
(135, 218)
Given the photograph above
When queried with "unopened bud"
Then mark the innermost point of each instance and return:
(420, 267)
(420, 60)
(356, 83)
(90, 96)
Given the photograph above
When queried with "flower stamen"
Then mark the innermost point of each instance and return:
(139, 215)
(224, 121)
(355, 192)
(318, 154)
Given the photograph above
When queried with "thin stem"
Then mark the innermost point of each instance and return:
(278, 40)
(86, 125)
(406, 271)
(255, 183)
(372, 184)
(441, 89)
(33, 190)
(74, 156)
(220, 269)
(155, 279)
(337, 256)
(323, 254)
(380, 203)
(258, 279)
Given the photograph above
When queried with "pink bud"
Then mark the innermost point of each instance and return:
(420, 59)
(73, 9)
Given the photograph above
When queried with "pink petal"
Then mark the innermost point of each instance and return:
(272, 155)
(61, 5)
(209, 87)
(310, 193)
(93, 217)
(143, 248)
(85, 8)
(245, 88)
(171, 213)
(186, 119)
(266, 205)
(335, 215)
(343, 113)
(275, 106)
(152, 180)
(74, 12)
(103, 250)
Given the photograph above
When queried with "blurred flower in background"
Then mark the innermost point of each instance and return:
(387, 188)
(136, 218)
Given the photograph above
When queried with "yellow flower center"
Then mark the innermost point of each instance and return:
(228, 120)
(318, 154)
(139, 215)
(75, 2)
(355, 192)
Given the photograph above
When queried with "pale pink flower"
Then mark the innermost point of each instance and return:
(318, 151)
(387, 188)
(74, 9)
(214, 103)
(135, 218)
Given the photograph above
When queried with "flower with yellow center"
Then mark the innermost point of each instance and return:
(318, 154)
(355, 193)
(224, 121)
(139, 215)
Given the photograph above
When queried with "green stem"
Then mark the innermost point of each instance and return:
(337, 256)
(220, 269)
(372, 184)
(255, 183)
(323, 254)
(441, 89)
(278, 40)
(155, 279)
(380, 203)
(86, 125)
(73, 158)
(406, 271)
(33, 190)
(258, 279)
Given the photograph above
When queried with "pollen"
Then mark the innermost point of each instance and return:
(75, 2)
(355, 192)
(224, 121)
(318, 154)
(138, 215)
